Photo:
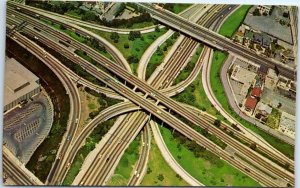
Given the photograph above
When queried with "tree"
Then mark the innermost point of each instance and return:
(114, 36)
(253, 146)
(132, 59)
(287, 166)
(217, 123)
(134, 34)
(62, 27)
(256, 12)
(157, 29)
(160, 177)
(102, 48)
(149, 170)
(95, 43)
(126, 45)
(159, 51)
(89, 15)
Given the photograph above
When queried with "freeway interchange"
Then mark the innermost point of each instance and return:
(139, 95)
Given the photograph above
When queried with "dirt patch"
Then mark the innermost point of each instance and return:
(229, 179)
(89, 103)
(207, 165)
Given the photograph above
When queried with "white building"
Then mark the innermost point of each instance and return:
(264, 8)
(20, 84)
(243, 76)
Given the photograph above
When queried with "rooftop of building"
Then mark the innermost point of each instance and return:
(251, 103)
(256, 92)
(264, 107)
(266, 6)
(272, 73)
(263, 69)
(242, 75)
(18, 81)
(288, 121)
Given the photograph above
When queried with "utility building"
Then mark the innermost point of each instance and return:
(20, 84)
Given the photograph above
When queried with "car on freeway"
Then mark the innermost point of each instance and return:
(68, 165)
(68, 137)
(247, 169)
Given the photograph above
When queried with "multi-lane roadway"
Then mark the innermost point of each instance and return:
(154, 94)
(214, 39)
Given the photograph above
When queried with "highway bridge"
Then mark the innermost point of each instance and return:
(153, 94)
(215, 40)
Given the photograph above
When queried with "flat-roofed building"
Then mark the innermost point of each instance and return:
(20, 84)
(243, 76)
(288, 121)
(271, 79)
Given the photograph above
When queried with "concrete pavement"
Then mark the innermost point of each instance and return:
(21, 166)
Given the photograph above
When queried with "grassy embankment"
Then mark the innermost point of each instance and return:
(203, 165)
(159, 173)
(99, 48)
(94, 137)
(176, 7)
(189, 67)
(91, 141)
(125, 167)
(135, 48)
(158, 56)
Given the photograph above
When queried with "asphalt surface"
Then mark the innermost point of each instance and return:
(151, 107)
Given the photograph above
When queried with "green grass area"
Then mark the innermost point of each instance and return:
(137, 25)
(125, 167)
(190, 66)
(93, 44)
(234, 21)
(158, 56)
(180, 7)
(91, 141)
(217, 87)
(136, 48)
(158, 167)
(216, 84)
(273, 119)
(176, 7)
(92, 106)
(194, 95)
(207, 167)
(74, 14)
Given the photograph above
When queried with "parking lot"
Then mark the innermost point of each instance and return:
(26, 127)
(273, 98)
